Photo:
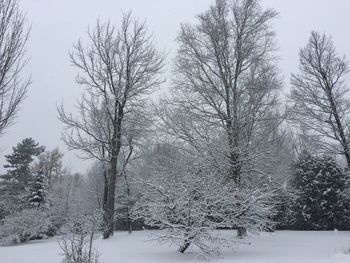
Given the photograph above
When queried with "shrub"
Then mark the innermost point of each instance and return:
(28, 224)
(77, 237)
(319, 184)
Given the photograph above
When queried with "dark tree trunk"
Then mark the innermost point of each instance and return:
(104, 204)
(116, 145)
(241, 232)
(109, 218)
(339, 126)
(128, 209)
(185, 246)
(129, 222)
(128, 194)
(105, 190)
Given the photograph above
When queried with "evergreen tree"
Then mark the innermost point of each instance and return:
(38, 196)
(20, 160)
(319, 183)
(16, 183)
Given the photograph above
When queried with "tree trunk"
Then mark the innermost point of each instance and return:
(128, 210)
(109, 217)
(104, 204)
(129, 221)
(338, 122)
(241, 232)
(343, 139)
(116, 145)
(185, 246)
(90, 242)
(129, 225)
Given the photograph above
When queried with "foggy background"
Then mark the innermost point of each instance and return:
(57, 24)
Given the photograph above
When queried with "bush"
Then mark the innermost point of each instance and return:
(190, 210)
(28, 224)
(76, 240)
(320, 204)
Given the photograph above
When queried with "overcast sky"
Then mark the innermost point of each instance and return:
(57, 24)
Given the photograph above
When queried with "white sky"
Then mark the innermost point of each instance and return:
(57, 24)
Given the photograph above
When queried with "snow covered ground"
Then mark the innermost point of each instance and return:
(279, 247)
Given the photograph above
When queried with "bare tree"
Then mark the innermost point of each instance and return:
(320, 98)
(118, 69)
(225, 74)
(95, 185)
(50, 162)
(13, 38)
(77, 237)
(225, 90)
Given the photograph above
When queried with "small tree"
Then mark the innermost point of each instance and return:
(76, 240)
(38, 192)
(190, 211)
(189, 201)
(50, 162)
(320, 184)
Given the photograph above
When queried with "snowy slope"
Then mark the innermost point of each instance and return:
(279, 247)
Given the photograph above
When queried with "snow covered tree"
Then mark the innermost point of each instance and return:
(224, 95)
(189, 212)
(189, 202)
(95, 184)
(77, 237)
(72, 195)
(226, 77)
(320, 96)
(20, 160)
(118, 69)
(16, 182)
(319, 183)
(25, 225)
(50, 162)
(38, 191)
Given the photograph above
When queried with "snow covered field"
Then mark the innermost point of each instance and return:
(279, 247)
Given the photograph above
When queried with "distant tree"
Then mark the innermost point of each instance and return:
(37, 195)
(50, 163)
(13, 38)
(95, 184)
(302, 139)
(19, 162)
(319, 183)
(69, 193)
(16, 183)
(320, 97)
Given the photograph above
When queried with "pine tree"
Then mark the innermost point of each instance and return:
(15, 184)
(319, 183)
(38, 196)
